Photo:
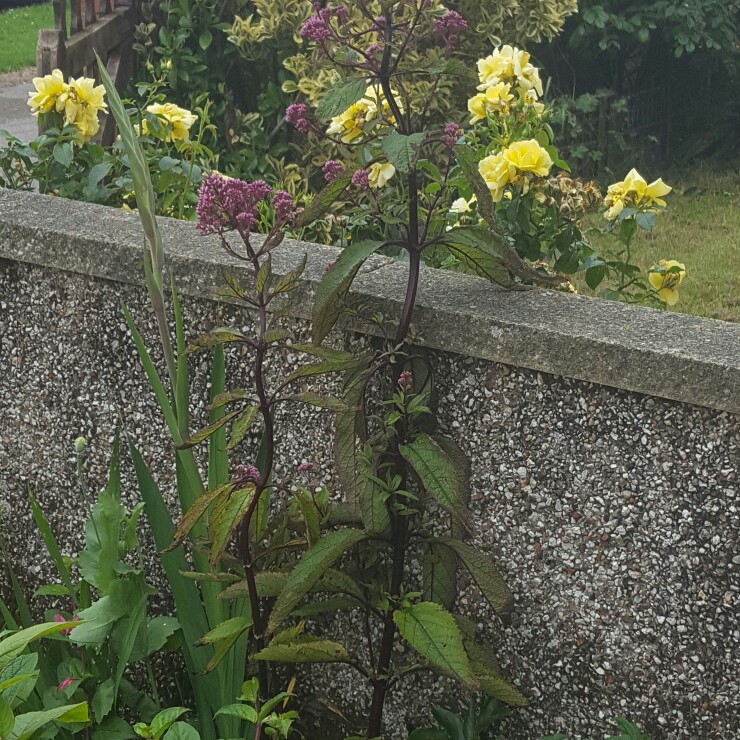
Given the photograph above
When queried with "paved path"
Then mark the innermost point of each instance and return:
(15, 115)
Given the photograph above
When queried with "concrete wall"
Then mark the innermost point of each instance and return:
(604, 441)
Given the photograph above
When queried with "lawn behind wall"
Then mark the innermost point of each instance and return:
(700, 228)
(19, 32)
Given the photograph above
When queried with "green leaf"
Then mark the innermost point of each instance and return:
(324, 200)
(309, 569)
(240, 711)
(497, 686)
(207, 431)
(99, 560)
(18, 678)
(195, 512)
(468, 161)
(305, 650)
(485, 574)
(218, 456)
(242, 425)
(133, 624)
(310, 514)
(139, 174)
(322, 402)
(164, 720)
(334, 287)
(51, 544)
(433, 633)
(219, 400)
(26, 725)
(371, 500)
(439, 568)
(334, 604)
(401, 149)
(113, 728)
(204, 40)
(228, 628)
(478, 262)
(437, 473)
(216, 338)
(226, 516)
(181, 731)
(339, 97)
(348, 426)
(102, 701)
(63, 153)
(7, 719)
(187, 598)
(12, 646)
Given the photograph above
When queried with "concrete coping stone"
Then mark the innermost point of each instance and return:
(658, 353)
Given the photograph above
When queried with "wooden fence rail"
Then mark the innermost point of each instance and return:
(105, 27)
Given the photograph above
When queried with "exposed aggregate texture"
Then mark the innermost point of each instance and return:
(613, 515)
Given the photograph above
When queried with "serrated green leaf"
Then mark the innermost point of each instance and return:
(227, 397)
(401, 149)
(241, 426)
(305, 650)
(216, 337)
(207, 431)
(439, 569)
(181, 731)
(193, 515)
(437, 473)
(433, 633)
(322, 402)
(227, 628)
(335, 285)
(371, 501)
(339, 97)
(226, 516)
(485, 574)
(309, 569)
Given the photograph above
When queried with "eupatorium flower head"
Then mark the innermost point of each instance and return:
(227, 204)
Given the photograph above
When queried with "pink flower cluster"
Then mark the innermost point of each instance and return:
(450, 24)
(296, 114)
(332, 169)
(452, 132)
(247, 473)
(316, 28)
(227, 204)
(284, 206)
(361, 179)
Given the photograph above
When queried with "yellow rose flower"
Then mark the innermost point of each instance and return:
(495, 172)
(81, 102)
(634, 192)
(494, 99)
(460, 206)
(178, 121)
(509, 64)
(48, 91)
(665, 278)
(349, 125)
(528, 156)
(379, 174)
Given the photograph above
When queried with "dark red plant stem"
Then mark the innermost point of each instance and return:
(261, 485)
(400, 523)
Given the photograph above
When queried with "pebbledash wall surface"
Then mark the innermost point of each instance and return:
(604, 442)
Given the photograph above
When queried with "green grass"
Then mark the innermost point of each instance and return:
(700, 228)
(19, 32)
